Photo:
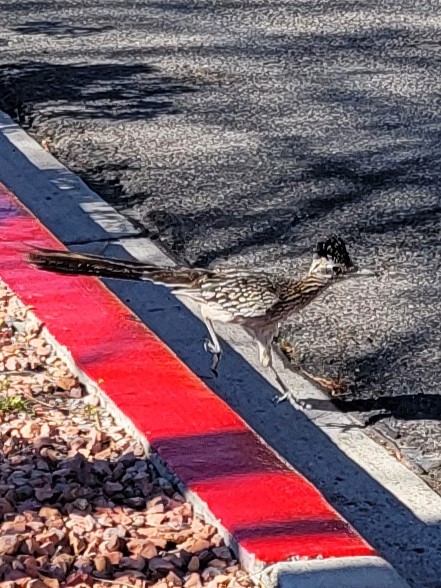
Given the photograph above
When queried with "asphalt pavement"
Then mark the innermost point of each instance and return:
(239, 132)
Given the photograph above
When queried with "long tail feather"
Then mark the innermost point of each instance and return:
(65, 262)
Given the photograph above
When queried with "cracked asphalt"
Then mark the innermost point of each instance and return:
(240, 131)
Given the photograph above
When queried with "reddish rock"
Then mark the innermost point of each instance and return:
(9, 544)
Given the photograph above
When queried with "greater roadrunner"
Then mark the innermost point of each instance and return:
(257, 301)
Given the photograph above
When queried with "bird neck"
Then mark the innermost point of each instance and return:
(312, 284)
(299, 293)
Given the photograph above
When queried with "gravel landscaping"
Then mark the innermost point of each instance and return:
(80, 504)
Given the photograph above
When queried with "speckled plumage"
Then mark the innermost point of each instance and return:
(257, 301)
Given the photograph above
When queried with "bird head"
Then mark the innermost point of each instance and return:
(331, 258)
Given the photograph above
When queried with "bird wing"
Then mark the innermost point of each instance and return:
(243, 294)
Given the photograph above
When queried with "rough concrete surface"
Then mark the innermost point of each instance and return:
(239, 132)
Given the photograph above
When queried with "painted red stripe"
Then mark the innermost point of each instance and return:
(273, 511)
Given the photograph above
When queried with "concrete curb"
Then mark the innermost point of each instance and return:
(344, 572)
(247, 489)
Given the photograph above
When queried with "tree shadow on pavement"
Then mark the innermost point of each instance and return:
(102, 90)
(81, 93)
(59, 28)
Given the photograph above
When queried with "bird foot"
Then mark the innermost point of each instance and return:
(214, 363)
(215, 353)
(300, 404)
(277, 399)
(211, 347)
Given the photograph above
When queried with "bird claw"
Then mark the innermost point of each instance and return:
(214, 363)
(277, 399)
(211, 348)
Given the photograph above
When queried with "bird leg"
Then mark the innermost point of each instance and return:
(284, 352)
(264, 344)
(280, 382)
(212, 345)
(285, 390)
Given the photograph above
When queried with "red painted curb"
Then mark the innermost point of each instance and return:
(271, 510)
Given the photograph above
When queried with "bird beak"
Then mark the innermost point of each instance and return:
(323, 265)
(362, 272)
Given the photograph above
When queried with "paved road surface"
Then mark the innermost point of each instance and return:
(238, 132)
